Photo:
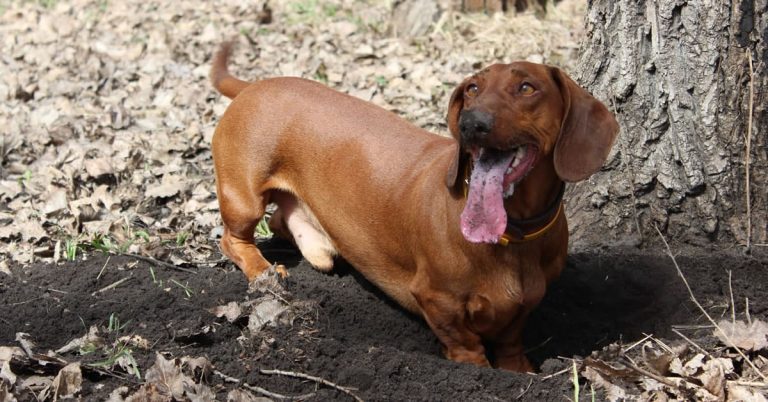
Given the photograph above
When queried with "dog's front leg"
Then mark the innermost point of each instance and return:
(447, 316)
(508, 349)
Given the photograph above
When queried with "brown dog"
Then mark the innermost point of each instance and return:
(352, 179)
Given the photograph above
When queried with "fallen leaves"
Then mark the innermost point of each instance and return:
(751, 337)
(107, 111)
(681, 372)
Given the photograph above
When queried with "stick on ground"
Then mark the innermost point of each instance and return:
(312, 378)
(706, 314)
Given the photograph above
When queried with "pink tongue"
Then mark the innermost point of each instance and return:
(484, 218)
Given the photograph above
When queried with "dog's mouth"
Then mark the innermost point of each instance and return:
(493, 179)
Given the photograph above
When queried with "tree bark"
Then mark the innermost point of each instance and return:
(494, 6)
(677, 75)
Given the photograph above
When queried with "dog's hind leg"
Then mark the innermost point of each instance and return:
(241, 210)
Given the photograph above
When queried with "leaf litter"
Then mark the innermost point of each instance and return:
(107, 117)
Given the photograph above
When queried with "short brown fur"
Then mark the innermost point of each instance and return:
(355, 180)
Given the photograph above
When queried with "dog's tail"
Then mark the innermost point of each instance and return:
(222, 80)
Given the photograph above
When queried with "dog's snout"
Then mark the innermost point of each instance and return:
(475, 125)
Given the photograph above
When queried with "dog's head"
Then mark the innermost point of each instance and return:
(515, 114)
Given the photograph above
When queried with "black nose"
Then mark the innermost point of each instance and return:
(475, 125)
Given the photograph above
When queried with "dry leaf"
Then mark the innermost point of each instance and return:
(713, 375)
(118, 394)
(232, 311)
(91, 340)
(265, 310)
(693, 365)
(68, 381)
(741, 393)
(750, 337)
(148, 393)
(241, 395)
(613, 392)
(98, 167)
(198, 363)
(5, 393)
(6, 374)
(166, 375)
(134, 340)
(169, 186)
(199, 392)
(37, 383)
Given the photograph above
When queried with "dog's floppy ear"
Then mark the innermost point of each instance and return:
(587, 132)
(455, 169)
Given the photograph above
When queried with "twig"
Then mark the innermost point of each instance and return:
(694, 344)
(526, 389)
(312, 378)
(103, 268)
(112, 286)
(751, 384)
(696, 302)
(634, 345)
(225, 377)
(540, 345)
(563, 371)
(733, 303)
(749, 149)
(157, 262)
(746, 310)
(269, 394)
(692, 327)
(259, 390)
(649, 374)
(25, 302)
(662, 345)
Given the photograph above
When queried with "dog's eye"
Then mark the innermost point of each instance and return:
(472, 90)
(526, 89)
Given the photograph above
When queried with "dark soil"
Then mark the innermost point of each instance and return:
(353, 336)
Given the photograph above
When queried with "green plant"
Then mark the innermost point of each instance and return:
(123, 352)
(263, 230)
(330, 10)
(141, 234)
(25, 178)
(381, 80)
(321, 76)
(114, 325)
(158, 282)
(181, 238)
(575, 380)
(185, 287)
(102, 243)
(71, 246)
(47, 4)
(304, 7)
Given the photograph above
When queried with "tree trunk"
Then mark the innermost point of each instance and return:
(678, 76)
(494, 6)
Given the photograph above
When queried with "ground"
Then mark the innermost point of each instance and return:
(112, 283)
(347, 332)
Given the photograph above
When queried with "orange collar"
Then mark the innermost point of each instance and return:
(523, 230)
